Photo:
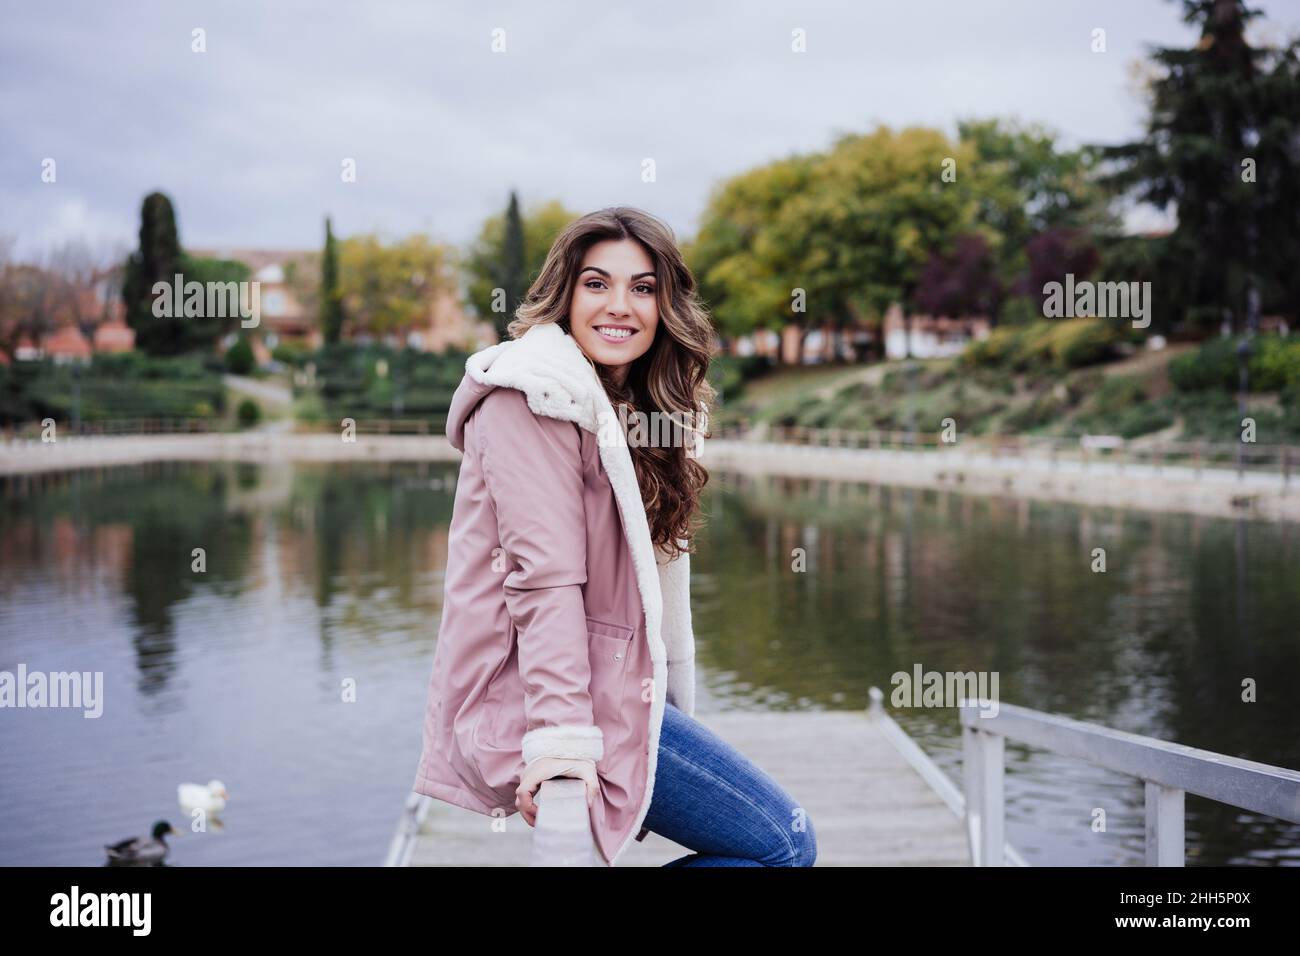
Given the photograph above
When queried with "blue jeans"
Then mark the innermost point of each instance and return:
(710, 798)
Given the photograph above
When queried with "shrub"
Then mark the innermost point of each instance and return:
(1020, 310)
(239, 357)
(1118, 392)
(1275, 364)
(996, 349)
(1079, 342)
(1039, 411)
(1057, 344)
(249, 413)
(1213, 365)
(1144, 418)
(1035, 346)
(290, 354)
(729, 373)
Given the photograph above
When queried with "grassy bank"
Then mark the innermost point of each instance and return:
(1180, 392)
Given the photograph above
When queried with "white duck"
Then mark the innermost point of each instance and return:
(211, 799)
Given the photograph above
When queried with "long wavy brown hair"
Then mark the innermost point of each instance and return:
(669, 378)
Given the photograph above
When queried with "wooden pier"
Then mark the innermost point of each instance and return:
(874, 798)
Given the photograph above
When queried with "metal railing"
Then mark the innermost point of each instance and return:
(436, 425)
(923, 764)
(125, 427)
(33, 431)
(1168, 770)
(1085, 450)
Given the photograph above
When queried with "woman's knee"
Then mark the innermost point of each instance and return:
(805, 842)
(798, 845)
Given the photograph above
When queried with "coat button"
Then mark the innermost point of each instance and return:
(618, 657)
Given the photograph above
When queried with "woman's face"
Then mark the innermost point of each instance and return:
(615, 290)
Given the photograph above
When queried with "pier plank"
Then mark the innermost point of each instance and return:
(869, 806)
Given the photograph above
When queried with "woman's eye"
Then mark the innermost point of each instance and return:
(640, 285)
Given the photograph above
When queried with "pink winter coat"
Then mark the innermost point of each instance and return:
(563, 628)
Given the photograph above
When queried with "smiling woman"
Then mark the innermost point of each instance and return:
(573, 663)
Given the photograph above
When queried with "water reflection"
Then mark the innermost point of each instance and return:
(1158, 643)
(229, 606)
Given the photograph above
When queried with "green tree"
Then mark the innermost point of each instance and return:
(846, 233)
(1220, 150)
(885, 208)
(197, 321)
(158, 259)
(747, 252)
(391, 288)
(331, 301)
(1027, 185)
(203, 328)
(836, 237)
(512, 273)
(239, 357)
(487, 264)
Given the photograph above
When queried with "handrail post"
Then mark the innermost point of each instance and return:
(563, 835)
(1164, 826)
(982, 758)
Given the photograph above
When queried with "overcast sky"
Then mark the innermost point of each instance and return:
(248, 137)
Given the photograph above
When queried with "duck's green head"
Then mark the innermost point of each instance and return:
(163, 828)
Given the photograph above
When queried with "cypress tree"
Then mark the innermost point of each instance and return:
(157, 259)
(512, 275)
(331, 303)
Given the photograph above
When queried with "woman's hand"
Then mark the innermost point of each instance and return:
(544, 768)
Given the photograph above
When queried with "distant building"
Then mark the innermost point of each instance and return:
(282, 317)
(823, 344)
(285, 319)
(759, 342)
(65, 342)
(931, 336)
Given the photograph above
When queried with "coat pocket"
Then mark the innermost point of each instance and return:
(609, 645)
(501, 723)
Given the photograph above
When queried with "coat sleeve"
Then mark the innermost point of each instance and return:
(532, 465)
(678, 634)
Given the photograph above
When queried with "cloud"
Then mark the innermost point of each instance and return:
(248, 138)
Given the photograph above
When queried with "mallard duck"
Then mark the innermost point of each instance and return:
(141, 850)
(195, 796)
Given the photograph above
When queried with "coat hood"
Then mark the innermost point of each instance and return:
(545, 364)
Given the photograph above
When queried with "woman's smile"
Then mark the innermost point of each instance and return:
(615, 333)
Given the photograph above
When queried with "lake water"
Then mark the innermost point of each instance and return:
(324, 578)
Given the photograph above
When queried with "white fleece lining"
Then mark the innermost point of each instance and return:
(546, 364)
(565, 740)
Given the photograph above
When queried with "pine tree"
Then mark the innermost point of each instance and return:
(1217, 150)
